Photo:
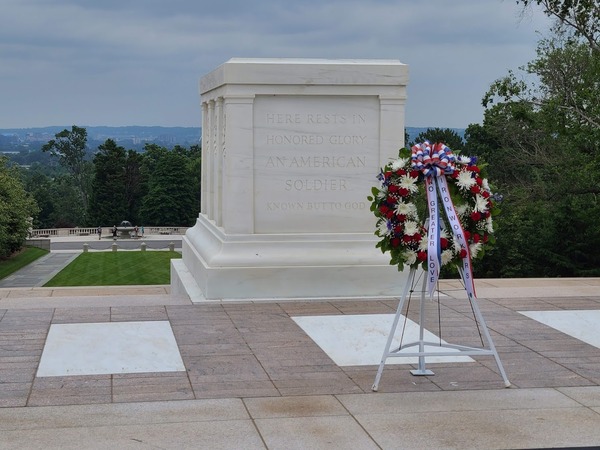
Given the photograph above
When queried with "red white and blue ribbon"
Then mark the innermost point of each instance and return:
(435, 162)
(434, 253)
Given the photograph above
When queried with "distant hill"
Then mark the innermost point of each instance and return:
(112, 132)
(182, 133)
(130, 137)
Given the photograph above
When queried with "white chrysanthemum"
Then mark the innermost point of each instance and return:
(447, 256)
(475, 249)
(455, 246)
(409, 183)
(411, 228)
(481, 204)
(410, 257)
(462, 210)
(485, 185)
(383, 229)
(406, 209)
(465, 181)
(464, 159)
(383, 193)
(423, 243)
(444, 233)
(400, 163)
(489, 227)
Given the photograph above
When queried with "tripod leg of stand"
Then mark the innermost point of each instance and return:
(490, 342)
(487, 335)
(422, 371)
(407, 287)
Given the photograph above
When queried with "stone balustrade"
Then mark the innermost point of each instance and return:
(91, 231)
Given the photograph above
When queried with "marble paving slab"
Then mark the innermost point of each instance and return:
(110, 348)
(359, 340)
(580, 324)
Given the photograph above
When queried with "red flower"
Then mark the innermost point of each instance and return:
(475, 189)
(476, 238)
(400, 172)
(383, 209)
(391, 199)
(395, 242)
(462, 253)
(421, 256)
(444, 243)
(387, 174)
(398, 229)
(393, 188)
(414, 174)
(485, 194)
(389, 214)
(403, 192)
(401, 217)
(473, 169)
(479, 181)
(407, 239)
(475, 216)
(417, 237)
(467, 235)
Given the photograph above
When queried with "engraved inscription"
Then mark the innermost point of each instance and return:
(309, 206)
(314, 162)
(300, 139)
(337, 184)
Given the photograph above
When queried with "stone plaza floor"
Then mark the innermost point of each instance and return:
(99, 368)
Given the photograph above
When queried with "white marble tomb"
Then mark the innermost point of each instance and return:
(290, 151)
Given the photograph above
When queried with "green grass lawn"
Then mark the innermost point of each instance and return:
(16, 262)
(116, 269)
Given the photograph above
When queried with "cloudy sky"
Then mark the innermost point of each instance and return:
(138, 62)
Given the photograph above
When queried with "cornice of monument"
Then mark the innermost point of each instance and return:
(306, 71)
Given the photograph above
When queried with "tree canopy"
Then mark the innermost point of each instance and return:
(449, 137)
(170, 200)
(581, 17)
(69, 147)
(542, 140)
(17, 208)
(108, 204)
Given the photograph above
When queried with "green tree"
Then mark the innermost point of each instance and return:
(449, 137)
(152, 154)
(117, 186)
(69, 147)
(582, 17)
(194, 158)
(56, 195)
(17, 208)
(108, 204)
(40, 187)
(542, 140)
(170, 199)
(68, 209)
(135, 184)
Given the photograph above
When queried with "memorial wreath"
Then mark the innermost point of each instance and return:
(434, 208)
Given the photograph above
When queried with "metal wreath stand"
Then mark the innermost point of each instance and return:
(420, 344)
(487, 349)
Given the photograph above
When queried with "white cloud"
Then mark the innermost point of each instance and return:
(117, 63)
